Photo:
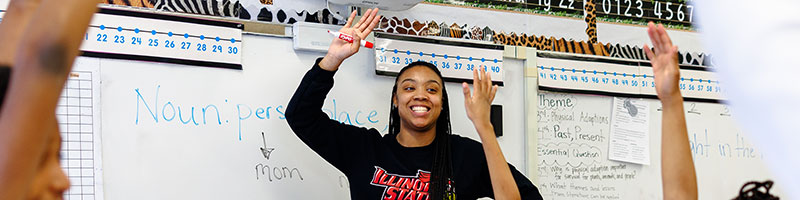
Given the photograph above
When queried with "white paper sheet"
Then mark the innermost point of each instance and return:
(78, 118)
(629, 136)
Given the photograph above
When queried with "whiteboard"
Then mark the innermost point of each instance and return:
(152, 151)
(577, 167)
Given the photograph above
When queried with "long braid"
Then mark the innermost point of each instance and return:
(442, 172)
(442, 163)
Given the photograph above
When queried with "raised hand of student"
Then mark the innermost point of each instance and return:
(664, 58)
(479, 102)
(340, 49)
(677, 168)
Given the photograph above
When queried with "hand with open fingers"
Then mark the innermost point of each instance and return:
(479, 102)
(340, 49)
(664, 59)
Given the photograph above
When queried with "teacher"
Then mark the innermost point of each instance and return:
(419, 158)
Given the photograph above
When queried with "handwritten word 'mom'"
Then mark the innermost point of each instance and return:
(276, 173)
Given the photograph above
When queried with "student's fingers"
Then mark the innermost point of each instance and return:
(658, 43)
(653, 37)
(356, 42)
(368, 21)
(652, 57)
(481, 81)
(666, 44)
(350, 20)
(674, 56)
(465, 88)
(664, 35)
(372, 25)
(676, 67)
(649, 53)
(488, 82)
(475, 80)
(360, 21)
(365, 19)
(492, 94)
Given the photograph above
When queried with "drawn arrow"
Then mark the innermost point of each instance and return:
(266, 151)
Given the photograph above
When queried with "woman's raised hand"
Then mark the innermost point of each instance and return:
(340, 49)
(479, 103)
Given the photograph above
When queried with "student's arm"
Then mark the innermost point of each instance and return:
(15, 21)
(43, 59)
(478, 105)
(677, 167)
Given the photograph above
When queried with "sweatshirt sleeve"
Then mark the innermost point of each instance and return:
(335, 142)
(526, 189)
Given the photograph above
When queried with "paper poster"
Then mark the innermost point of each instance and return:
(78, 116)
(630, 136)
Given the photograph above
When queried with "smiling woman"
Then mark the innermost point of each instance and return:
(419, 147)
(419, 98)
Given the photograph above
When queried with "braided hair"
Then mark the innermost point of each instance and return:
(441, 184)
(753, 191)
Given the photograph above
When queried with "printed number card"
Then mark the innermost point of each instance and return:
(455, 59)
(132, 35)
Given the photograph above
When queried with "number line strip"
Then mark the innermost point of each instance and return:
(434, 55)
(170, 33)
(606, 73)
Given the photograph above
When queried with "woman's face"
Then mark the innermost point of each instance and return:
(50, 181)
(419, 98)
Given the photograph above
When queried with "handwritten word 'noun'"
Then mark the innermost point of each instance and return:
(169, 110)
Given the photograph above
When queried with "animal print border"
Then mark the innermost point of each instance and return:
(271, 13)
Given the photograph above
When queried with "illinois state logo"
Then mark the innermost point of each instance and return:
(400, 187)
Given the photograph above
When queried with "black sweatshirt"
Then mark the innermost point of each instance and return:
(378, 167)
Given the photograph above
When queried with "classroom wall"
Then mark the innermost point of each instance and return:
(149, 159)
